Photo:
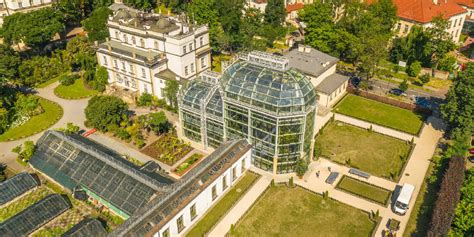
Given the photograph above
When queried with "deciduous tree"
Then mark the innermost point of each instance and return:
(103, 111)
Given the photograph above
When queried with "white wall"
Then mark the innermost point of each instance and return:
(204, 200)
(317, 80)
(329, 100)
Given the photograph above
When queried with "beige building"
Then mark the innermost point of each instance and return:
(9, 7)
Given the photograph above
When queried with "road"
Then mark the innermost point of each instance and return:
(384, 86)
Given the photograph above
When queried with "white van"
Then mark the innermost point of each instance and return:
(403, 200)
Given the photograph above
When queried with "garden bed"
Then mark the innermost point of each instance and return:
(188, 164)
(168, 149)
(371, 152)
(23, 202)
(298, 212)
(52, 113)
(364, 190)
(75, 91)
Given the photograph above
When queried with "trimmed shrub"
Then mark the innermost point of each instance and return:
(425, 78)
(414, 69)
(68, 79)
(301, 167)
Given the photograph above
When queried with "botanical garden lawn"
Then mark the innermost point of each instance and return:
(74, 91)
(371, 152)
(283, 211)
(52, 113)
(380, 113)
(23, 202)
(364, 190)
(223, 206)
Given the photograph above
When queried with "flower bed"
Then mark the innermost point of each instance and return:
(188, 164)
(168, 149)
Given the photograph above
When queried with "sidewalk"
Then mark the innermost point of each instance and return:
(241, 207)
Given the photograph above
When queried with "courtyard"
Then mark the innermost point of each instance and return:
(379, 113)
(298, 212)
(375, 153)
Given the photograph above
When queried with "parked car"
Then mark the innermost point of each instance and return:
(471, 159)
(397, 92)
(403, 200)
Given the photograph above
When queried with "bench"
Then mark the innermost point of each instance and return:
(332, 177)
(359, 173)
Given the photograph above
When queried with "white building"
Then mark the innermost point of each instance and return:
(9, 7)
(146, 49)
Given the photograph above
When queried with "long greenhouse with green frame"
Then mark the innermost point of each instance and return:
(259, 98)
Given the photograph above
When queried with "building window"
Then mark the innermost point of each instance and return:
(405, 30)
(191, 47)
(192, 67)
(105, 60)
(125, 38)
(192, 212)
(180, 224)
(224, 182)
(145, 89)
(20, 5)
(184, 49)
(134, 84)
(142, 43)
(131, 68)
(455, 22)
(243, 166)
(460, 21)
(117, 35)
(234, 173)
(166, 233)
(186, 72)
(399, 25)
(134, 41)
(123, 66)
(156, 44)
(115, 63)
(143, 73)
(201, 41)
(203, 62)
(214, 193)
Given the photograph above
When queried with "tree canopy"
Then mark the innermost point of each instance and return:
(105, 111)
(96, 24)
(275, 12)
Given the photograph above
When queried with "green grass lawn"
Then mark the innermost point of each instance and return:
(223, 206)
(380, 113)
(52, 113)
(48, 82)
(24, 202)
(371, 152)
(74, 91)
(364, 190)
(283, 211)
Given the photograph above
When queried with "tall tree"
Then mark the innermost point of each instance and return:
(35, 28)
(96, 24)
(275, 12)
(9, 63)
(171, 92)
(205, 12)
(440, 42)
(230, 13)
(104, 111)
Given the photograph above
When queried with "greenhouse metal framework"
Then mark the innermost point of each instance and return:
(86, 228)
(35, 216)
(77, 162)
(16, 186)
(258, 98)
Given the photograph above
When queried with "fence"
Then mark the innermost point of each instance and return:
(390, 101)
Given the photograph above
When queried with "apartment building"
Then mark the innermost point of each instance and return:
(9, 7)
(146, 49)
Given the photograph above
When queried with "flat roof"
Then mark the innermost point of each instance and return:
(331, 83)
(313, 63)
(141, 56)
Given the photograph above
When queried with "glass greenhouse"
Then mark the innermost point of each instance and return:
(258, 98)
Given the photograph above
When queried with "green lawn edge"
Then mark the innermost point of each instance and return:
(51, 115)
(75, 91)
(212, 217)
(358, 107)
(47, 83)
(370, 194)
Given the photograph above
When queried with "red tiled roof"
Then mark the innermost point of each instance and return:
(467, 3)
(294, 7)
(424, 11)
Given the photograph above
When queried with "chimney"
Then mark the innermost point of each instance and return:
(300, 48)
(435, 2)
(307, 49)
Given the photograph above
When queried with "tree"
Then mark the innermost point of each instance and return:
(35, 29)
(9, 63)
(414, 69)
(156, 122)
(145, 99)
(70, 129)
(230, 13)
(448, 197)
(301, 167)
(425, 78)
(73, 11)
(440, 42)
(27, 104)
(39, 69)
(458, 109)
(275, 12)
(171, 92)
(25, 151)
(403, 85)
(96, 24)
(101, 78)
(205, 12)
(104, 111)
(141, 4)
(463, 224)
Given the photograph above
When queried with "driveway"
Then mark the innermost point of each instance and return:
(73, 113)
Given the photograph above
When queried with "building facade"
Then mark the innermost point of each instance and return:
(259, 98)
(9, 7)
(145, 50)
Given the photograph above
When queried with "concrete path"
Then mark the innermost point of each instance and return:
(375, 127)
(240, 207)
(73, 113)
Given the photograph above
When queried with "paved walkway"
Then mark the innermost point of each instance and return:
(375, 127)
(240, 207)
(73, 112)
